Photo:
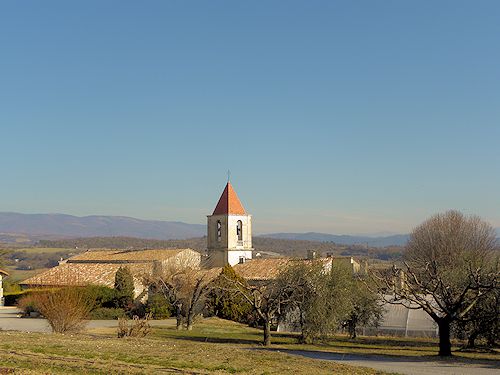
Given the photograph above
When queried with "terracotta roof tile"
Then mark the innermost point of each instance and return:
(269, 268)
(261, 269)
(125, 255)
(85, 274)
(99, 267)
(229, 203)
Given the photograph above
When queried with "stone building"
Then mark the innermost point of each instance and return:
(98, 267)
(2, 274)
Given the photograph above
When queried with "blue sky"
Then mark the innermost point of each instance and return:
(333, 116)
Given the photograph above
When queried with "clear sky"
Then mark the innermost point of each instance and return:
(333, 116)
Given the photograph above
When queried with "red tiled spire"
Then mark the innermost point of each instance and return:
(229, 203)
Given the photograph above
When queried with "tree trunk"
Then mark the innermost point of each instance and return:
(267, 332)
(178, 316)
(352, 329)
(190, 320)
(190, 316)
(444, 338)
(302, 337)
(471, 340)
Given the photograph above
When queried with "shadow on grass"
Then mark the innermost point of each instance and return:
(218, 340)
(361, 347)
(316, 354)
(385, 342)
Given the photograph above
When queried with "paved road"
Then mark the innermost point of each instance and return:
(407, 365)
(10, 320)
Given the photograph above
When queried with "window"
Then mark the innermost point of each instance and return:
(239, 230)
(219, 230)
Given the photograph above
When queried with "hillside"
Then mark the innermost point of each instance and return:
(30, 228)
(265, 246)
(60, 225)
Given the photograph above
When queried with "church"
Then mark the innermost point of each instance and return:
(229, 241)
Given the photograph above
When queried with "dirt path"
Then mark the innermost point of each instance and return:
(407, 365)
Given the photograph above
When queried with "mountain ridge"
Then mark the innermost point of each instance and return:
(55, 225)
(95, 225)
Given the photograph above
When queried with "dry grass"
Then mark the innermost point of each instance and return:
(162, 353)
(213, 347)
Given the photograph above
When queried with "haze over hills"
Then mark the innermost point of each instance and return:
(53, 226)
(393, 240)
(61, 225)
(379, 241)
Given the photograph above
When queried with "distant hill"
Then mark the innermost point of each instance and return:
(24, 228)
(394, 240)
(65, 226)
(267, 247)
(380, 241)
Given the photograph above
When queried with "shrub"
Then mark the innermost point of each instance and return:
(158, 306)
(10, 287)
(102, 295)
(107, 313)
(12, 299)
(26, 305)
(65, 309)
(136, 308)
(138, 327)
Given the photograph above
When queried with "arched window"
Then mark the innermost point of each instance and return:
(219, 230)
(239, 230)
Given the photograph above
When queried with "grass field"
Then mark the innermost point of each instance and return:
(39, 250)
(217, 331)
(165, 351)
(214, 346)
(18, 275)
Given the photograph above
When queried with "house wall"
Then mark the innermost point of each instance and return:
(2, 301)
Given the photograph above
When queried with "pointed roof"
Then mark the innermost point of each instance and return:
(229, 203)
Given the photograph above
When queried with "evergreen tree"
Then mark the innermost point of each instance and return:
(224, 303)
(124, 286)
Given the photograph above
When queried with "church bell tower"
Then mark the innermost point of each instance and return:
(229, 237)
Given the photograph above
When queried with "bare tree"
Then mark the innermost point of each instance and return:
(448, 268)
(482, 321)
(184, 287)
(267, 297)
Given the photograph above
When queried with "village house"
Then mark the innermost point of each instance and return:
(2, 274)
(98, 267)
(229, 241)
